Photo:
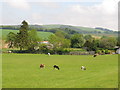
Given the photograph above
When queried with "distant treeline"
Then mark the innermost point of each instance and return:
(66, 28)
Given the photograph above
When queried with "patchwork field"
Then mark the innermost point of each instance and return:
(43, 35)
(22, 71)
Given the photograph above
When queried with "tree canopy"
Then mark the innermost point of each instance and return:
(77, 41)
(25, 39)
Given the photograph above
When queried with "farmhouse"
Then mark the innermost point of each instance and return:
(117, 49)
(44, 42)
(49, 45)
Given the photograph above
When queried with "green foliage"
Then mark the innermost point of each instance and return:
(108, 42)
(24, 39)
(53, 39)
(103, 51)
(33, 39)
(58, 42)
(88, 37)
(66, 43)
(22, 36)
(118, 41)
(77, 41)
(98, 51)
(60, 34)
(43, 48)
(11, 38)
(91, 43)
(107, 51)
(65, 36)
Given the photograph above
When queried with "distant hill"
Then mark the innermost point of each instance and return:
(67, 28)
(42, 35)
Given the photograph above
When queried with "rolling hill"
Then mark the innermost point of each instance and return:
(53, 27)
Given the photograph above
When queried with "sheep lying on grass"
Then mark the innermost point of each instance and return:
(83, 68)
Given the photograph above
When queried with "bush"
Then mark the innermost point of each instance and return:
(103, 51)
(62, 51)
(107, 51)
(43, 48)
(98, 51)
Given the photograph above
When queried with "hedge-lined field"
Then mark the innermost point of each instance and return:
(22, 71)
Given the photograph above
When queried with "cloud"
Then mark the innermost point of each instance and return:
(21, 4)
(36, 18)
(103, 14)
(64, 0)
(109, 6)
(99, 15)
(48, 4)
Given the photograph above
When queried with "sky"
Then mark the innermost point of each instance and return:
(86, 13)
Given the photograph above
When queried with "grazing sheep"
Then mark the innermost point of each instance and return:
(42, 65)
(55, 66)
(83, 68)
(95, 55)
(49, 54)
(9, 51)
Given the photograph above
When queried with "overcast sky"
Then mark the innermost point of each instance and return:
(86, 13)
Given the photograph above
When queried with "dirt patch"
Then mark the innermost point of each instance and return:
(3, 44)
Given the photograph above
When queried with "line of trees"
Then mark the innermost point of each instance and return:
(28, 40)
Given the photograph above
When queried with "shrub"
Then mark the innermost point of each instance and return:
(98, 51)
(107, 51)
(103, 51)
(62, 51)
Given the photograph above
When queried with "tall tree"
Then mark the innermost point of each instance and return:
(25, 39)
(22, 36)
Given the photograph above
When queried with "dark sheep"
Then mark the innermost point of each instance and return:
(56, 67)
(42, 65)
(95, 55)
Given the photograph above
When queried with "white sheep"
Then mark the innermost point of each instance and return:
(9, 51)
(83, 68)
(49, 54)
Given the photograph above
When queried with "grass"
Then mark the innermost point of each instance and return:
(22, 71)
(6, 31)
(43, 35)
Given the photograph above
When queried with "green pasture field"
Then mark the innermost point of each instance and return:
(22, 71)
(6, 31)
(43, 35)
